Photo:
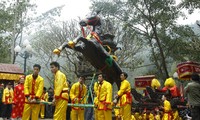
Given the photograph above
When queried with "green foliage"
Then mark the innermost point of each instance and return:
(190, 5)
(5, 30)
(154, 22)
(12, 17)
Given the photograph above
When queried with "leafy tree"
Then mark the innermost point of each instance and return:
(5, 29)
(51, 36)
(190, 5)
(154, 22)
(13, 14)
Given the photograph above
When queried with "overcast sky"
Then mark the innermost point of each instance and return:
(72, 9)
(79, 8)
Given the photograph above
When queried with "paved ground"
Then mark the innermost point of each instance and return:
(39, 119)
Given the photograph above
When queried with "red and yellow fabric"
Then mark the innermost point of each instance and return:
(61, 95)
(125, 99)
(171, 85)
(18, 101)
(78, 96)
(104, 97)
(167, 111)
(45, 98)
(125, 93)
(33, 88)
(7, 96)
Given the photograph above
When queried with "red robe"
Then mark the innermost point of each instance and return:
(18, 101)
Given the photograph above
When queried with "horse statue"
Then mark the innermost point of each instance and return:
(96, 48)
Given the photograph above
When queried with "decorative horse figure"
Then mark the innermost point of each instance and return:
(92, 49)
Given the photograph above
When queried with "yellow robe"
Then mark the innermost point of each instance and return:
(61, 95)
(125, 100)
(7, 97)
(33, 89)
(78, 96)
(104, 97)
(42, 106)
(167, 111)
(96, 100)
(176, 115)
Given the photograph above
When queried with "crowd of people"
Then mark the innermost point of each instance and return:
(29, 99)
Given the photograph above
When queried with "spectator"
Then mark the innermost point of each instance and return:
(18, 100)
(49, 108)
(192, 90)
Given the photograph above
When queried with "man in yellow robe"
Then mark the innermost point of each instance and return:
(167, 110)
(61, 89)
(124, 96)
(7, 100)
(104, 98)
(96, 84)
(78, 96)
(33, 89)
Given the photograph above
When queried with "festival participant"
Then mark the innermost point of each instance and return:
(167, 110)
(7, 100)
(104, 97)
(33, 89)
(124, 96)
(155, 84)
(78, 96)
(19, 99)
(171, 85)
(61, 89)
(96, 84)
(44, 98)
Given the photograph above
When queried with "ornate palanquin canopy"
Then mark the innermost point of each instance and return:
(141, 82)
(10, 72)
(185, 69)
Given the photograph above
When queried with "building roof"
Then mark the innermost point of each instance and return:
(10, 68)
